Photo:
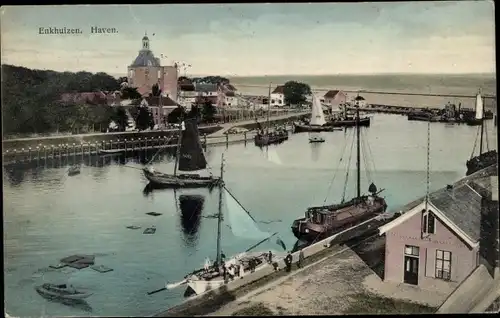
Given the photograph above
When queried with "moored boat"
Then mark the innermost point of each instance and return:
(61, 291)
(317, 122)
(483, 159)
(219, 273)
(266, 137)
(74, 170)
(111, 151)
(320, 222)
(189, 157)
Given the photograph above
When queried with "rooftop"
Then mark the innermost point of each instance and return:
(331, 94)
(156, 100)
(206, 87)
(145, 58)
(280, 89)
(461, 201)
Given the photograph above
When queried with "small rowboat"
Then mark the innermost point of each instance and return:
(316, 139)
(61, 291)
(111, 151)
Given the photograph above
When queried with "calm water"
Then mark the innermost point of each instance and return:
(49, 216)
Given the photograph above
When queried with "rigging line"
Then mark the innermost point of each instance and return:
(336, 168)
(264, 240)
(367, 170)
(348, 166)
(166, 143)
(371, 154)
(486, 136)
(475, 143)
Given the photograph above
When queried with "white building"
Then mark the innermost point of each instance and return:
(359, 101)
(278, 97)
(230, 99)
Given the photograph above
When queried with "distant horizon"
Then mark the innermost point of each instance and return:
(256, 39)
(275, 75)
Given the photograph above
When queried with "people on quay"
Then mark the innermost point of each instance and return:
(300, 263)
(207, 264)
(270, 257)
(288, 261)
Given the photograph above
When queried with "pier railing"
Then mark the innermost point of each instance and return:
(47, 152)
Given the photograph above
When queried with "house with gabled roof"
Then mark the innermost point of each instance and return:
(335, 98)
(278, 96)
(446, 236)
(159, 106)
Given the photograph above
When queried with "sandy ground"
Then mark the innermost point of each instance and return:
(325, 287)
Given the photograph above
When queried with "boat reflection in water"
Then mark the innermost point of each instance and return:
(191, 207)
(79, 304)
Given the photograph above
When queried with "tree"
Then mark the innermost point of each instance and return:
(144, 119)
(184, 79)
(296, 92)
(194, 112)
(120, 117)
(176, 115)
(130, 93)
(155, 90)
(208, 111)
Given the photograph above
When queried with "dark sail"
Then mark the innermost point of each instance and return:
(191, 153)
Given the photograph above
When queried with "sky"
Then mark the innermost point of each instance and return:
(259, 39)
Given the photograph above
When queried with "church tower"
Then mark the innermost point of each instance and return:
(145, 42)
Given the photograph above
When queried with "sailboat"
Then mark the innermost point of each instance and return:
(345, 120)
(317, 121)
(323, 221)
(243, 225)
(483, 159)
(189, 157)
(264, 138)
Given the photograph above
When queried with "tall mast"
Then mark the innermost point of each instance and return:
(428, 162)
(219, 216)
(268, 108)
(358, 153)
(482, 131)
(178, 151)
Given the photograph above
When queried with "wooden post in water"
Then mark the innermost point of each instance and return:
(29, 153)
(125, 144)
(245, 135)
(227, 140)
(133, 144)
(81, 146)
(37, 155)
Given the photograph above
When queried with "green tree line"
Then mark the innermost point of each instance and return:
(31, 101)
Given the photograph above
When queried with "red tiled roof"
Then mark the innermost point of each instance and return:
(280, 89)
(332, 93)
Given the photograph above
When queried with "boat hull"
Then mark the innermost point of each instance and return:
(482, 161)
(264, 140)
(306, 230)
(350, 123)
(47, 293)
(297, 128)
(163, 180)
(316, 141)
(111, 151)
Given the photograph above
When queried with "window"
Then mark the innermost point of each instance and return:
(159, 74)
(318, 218)
(443, 265)
(428, 223)
(412, 250)
(272, 101)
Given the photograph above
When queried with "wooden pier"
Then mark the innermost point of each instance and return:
(128, 146)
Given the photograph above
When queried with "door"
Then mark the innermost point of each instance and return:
(411, 270)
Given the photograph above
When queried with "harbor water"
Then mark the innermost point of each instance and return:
(48, 215)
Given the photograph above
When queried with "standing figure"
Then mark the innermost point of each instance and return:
(288, 261)
(301, 259)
